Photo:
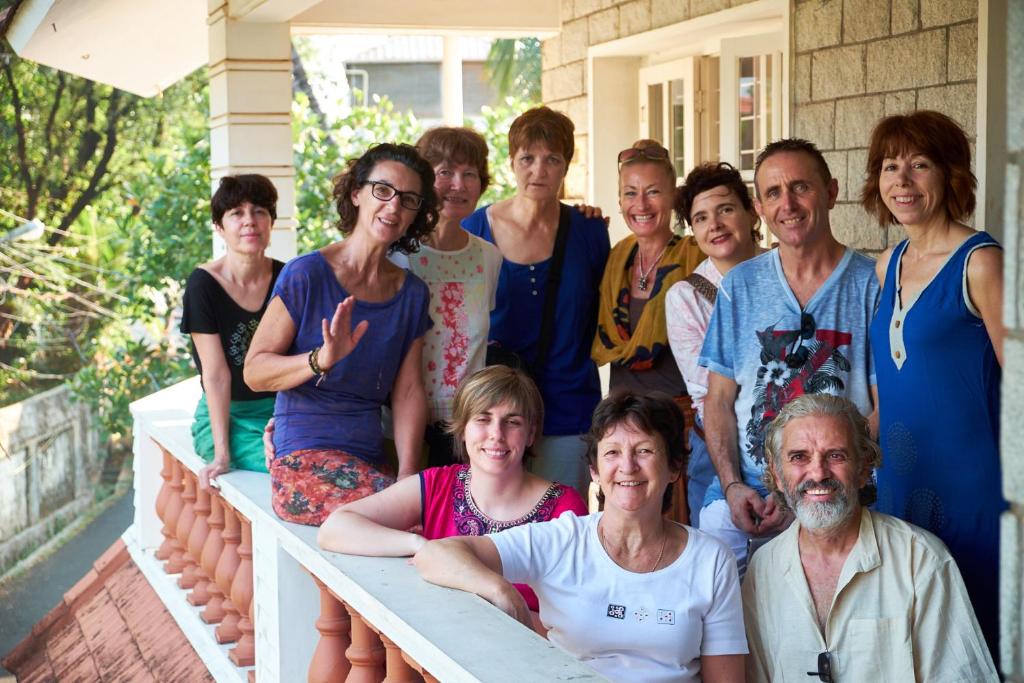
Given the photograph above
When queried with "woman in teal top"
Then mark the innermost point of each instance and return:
(224, 301)
(937, 341)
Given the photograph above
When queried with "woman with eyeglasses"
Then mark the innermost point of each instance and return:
(631, 333)
(309, 347)
(554, 346)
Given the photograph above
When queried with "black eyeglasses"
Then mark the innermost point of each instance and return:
(824, 672)
(653, 152)
(386, 192)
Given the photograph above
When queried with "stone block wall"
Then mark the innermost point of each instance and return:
(590, 22)
(49, 463)
(852, 62)
(855, 61)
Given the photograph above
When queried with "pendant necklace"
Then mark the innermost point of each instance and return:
(646, 272)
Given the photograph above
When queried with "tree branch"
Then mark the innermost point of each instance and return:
(58, 95)
(92, 190)
(31, 191)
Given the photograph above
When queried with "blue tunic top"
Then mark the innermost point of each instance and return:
(568, 383)
(938, 385)
(343, 413)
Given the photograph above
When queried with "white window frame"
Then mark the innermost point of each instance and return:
(733, 49)
(664, 74)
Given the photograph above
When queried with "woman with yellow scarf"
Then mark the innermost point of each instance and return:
(631, 331)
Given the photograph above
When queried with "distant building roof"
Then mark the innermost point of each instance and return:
(111, 625)
(397, 49)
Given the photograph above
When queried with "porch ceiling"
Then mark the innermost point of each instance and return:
(144, 46)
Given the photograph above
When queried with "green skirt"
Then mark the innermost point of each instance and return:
(247, 420)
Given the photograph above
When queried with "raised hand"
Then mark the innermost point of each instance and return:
(340, 338)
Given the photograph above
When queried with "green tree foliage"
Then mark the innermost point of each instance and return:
(76, 153)
(322, 150)
(513, 68)
(101, 301)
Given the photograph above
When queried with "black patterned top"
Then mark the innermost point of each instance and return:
(208, 309)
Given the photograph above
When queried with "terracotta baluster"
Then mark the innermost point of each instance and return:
(244, 654)
(398, 669)
(227, 568)
(329, 664)
(366, 653)
(186, 521)
(162, 498)
(427, 678)
(176, 561)
(212, 550)
(200, 594)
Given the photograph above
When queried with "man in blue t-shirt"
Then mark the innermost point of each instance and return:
(791, 321)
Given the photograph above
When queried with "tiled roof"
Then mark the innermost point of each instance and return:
(110, 626)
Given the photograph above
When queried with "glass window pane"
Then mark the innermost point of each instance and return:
(655, 113)
(746, 134)
(746, 67)
(678, 147)
(746, 96)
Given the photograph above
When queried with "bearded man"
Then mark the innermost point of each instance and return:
(846, 594)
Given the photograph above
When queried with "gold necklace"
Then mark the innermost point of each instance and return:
(661, 553)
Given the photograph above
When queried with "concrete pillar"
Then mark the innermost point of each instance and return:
(250, 74)
(451, 82)
(1012, 435)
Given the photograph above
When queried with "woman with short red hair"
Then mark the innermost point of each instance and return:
(546, 310)
(937, 339)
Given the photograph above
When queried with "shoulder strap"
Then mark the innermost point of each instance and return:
(551, 295)
(702, 286)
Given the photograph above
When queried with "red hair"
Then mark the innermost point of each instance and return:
(937, 137)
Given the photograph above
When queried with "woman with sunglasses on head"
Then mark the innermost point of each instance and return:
(715, 202)
(554, 347)
(631, 332)
(331, 385)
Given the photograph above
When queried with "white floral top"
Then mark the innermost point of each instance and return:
(687, 314)
(462, 293)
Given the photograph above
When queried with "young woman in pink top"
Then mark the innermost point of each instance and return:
(495, 421)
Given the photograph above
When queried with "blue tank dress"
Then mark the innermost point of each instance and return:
(938, 386)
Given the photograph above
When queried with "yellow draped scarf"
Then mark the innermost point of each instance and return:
(614, 343)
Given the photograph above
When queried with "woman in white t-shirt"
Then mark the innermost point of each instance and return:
(631, 594)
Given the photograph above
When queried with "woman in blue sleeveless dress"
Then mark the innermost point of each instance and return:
(937, 341)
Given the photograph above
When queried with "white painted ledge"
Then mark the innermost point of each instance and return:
(455, 636)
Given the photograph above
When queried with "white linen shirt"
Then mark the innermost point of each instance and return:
(900, 612)
(687, 314)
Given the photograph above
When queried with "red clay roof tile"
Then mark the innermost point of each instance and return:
(111, 626)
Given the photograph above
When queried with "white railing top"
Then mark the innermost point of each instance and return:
(455, 636)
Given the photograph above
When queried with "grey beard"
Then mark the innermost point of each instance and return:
(821, 516)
